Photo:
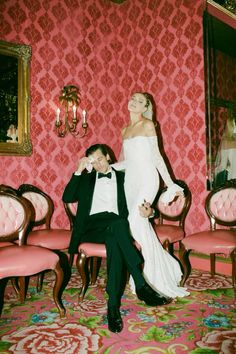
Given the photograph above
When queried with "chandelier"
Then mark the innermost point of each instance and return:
(70, 100)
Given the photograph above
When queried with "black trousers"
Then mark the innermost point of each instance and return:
(122, 255)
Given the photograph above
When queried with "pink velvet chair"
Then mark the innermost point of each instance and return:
(169, 227)
(23, 260)
(220, 207)
(54, 239)
(89, 256)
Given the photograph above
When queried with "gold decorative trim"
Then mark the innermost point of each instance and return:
(22, 53)
(222, 9)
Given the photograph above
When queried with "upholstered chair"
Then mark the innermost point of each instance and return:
(170, 225)
(89, 256)
(220, 206)
(23, 260)
(51, 238)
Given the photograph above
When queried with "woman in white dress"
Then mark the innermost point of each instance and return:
(142, 164)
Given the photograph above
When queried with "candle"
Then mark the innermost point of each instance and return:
(58, 115)
(84, 116)
(74, 111)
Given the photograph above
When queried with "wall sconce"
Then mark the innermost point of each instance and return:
(70, 99)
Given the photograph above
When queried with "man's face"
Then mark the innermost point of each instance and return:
(99, 161)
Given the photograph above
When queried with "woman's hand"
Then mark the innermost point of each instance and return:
(145, 210)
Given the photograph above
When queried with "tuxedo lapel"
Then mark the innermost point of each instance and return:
(121, 201)
(90, 189)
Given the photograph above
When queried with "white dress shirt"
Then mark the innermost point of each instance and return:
(105, 195)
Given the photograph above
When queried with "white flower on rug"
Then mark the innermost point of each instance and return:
(223, 342)
(70, 338)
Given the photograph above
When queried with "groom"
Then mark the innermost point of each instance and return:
(102, 218)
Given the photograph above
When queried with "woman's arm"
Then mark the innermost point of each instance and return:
(173, 189)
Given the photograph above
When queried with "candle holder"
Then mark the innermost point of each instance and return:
(70, 99)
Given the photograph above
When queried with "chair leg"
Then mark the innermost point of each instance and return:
(213, 264)
(57, 289)
(95, 266)
(15, 285)
(3, 283)
(82, 266)
(39, 285)
(186, 265)
(22, 285)
(165, 245)
(233, 260)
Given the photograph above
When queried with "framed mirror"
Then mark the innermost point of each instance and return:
(15, 99)
(220, 98)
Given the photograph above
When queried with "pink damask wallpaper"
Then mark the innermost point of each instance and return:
(109, 51)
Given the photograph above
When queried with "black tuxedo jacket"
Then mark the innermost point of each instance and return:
(80, 189)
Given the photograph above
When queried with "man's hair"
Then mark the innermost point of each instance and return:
(95, 147)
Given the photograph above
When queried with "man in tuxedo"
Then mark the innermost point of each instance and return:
(102, 218)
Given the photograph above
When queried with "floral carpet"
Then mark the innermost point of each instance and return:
(203, 322)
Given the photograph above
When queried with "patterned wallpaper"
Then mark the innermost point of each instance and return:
(109, 51)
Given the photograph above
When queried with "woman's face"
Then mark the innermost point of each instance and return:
(137, 103)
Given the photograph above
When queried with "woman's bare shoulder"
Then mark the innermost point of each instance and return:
(149, 127)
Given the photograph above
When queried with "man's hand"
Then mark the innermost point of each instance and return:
(145, 210)
(83, 163)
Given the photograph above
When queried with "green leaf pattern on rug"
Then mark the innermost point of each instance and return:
(157, 334)
(90, 322)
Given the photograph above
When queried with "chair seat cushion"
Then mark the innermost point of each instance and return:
(25, 260)
(5, 243)
(218, 241)
(53, 239)
(92, 249)
(172, 233)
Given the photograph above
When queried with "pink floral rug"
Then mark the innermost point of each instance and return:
(203, 322)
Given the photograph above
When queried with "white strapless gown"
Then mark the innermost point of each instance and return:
(142, 159)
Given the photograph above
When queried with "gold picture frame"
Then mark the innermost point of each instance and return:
(15, 99)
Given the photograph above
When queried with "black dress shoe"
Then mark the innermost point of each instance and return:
(151, 297)
(115, 323)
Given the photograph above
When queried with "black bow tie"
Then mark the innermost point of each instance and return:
(100, 175)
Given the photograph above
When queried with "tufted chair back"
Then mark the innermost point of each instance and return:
(48, 237)
(71, 209)
(15, 216)
(21, 260)
(220, 239)
(221, 206)
(42, 203)
(169, 227)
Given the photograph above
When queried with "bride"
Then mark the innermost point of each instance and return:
(142, 164)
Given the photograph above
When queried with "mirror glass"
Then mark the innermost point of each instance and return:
(220, 88)
(15, 99)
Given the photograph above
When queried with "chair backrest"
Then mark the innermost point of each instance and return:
(71, 209)
(42, 203)
(221, 205)
(177, 210)
(15, 217)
